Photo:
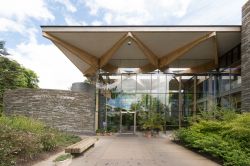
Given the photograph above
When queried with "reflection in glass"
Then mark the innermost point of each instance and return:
(128, 83)
(160, 92)
(143, 83)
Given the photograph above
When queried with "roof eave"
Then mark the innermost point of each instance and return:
(188, 28)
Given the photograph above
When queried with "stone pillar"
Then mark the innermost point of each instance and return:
(245, 57)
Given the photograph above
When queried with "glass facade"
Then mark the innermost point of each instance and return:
(176, 96)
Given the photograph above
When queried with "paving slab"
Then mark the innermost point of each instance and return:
(139, 151)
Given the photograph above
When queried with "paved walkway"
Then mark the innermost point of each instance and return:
(139, 151)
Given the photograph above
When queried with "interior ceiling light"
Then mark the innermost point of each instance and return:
(129, 42)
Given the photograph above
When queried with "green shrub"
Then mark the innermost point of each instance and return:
(22, 123)
(7, 151)
(23, 138)
(48, 141)
(100, 131)
(224, 135)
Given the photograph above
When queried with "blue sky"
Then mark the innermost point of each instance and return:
(20, 22)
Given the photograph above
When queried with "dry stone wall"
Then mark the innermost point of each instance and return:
(65, 110)
(245, 57)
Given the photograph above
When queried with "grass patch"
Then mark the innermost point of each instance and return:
(224, 135)
(63, 157)
(23, 139)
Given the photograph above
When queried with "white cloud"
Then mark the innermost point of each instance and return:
(10, 25)
(21, 10)
(137, 12)
(203, 12)
(96, 22)
(32, 32)
(71, 21)
(108, 18)
(165, 12)
(69, 6)
(55, 71)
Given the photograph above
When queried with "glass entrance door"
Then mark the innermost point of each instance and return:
(127, 122)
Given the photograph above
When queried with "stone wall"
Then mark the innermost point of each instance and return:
(65, 110)
(245, 57)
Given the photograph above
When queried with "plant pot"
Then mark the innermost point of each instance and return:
(64, 162)
(148, 134)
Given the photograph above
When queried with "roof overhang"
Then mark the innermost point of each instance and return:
(146, 47)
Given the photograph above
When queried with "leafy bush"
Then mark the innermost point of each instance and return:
(22, 123)
(223, 134)
(48, 141)
(23, 138)
(7, 150)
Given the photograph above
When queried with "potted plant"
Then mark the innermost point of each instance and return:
(152, 123)
(113, 130)
(108, 131)
(98, 132)
(103, 132)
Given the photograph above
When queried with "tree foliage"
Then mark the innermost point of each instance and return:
(13, 76)
(151, 113)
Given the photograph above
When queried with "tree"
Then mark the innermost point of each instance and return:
(13, 76)
(3, 50)
(151, 113)
(31, 78)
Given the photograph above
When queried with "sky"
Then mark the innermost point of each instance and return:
(20, 22)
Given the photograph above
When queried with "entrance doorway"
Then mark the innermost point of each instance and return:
(127, 122)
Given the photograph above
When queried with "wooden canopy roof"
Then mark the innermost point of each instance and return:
(144, 47)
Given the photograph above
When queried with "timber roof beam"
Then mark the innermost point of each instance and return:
(82, 54)
(153, 59)
(108, 55)
(172, 56)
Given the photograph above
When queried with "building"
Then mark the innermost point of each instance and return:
(176, 70)
(184, 68)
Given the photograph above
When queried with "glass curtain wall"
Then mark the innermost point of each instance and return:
(173, 95)
(130, 92)
(230, 79)
(169, 94)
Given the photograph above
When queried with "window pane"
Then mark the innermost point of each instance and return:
(143, 83)
(129, 83)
